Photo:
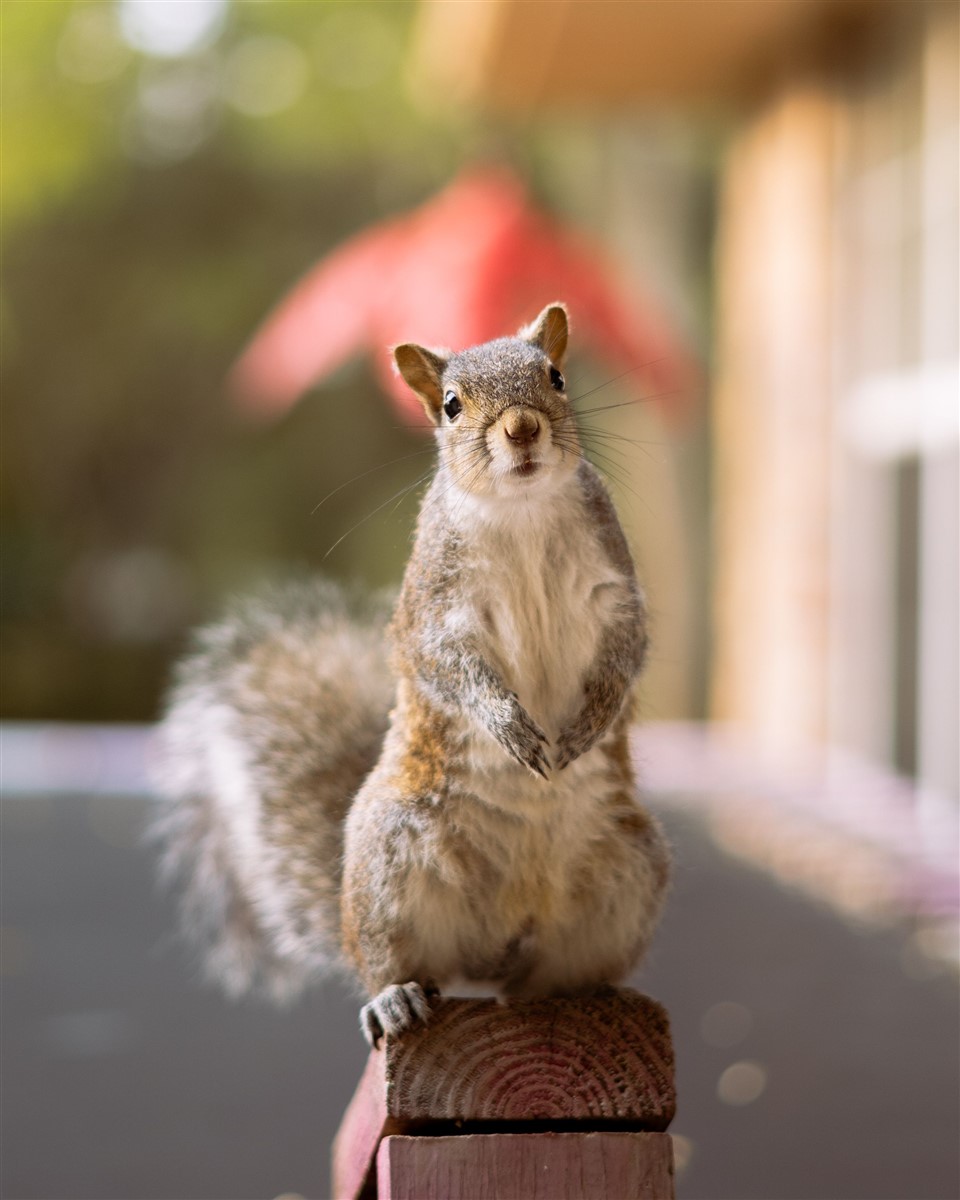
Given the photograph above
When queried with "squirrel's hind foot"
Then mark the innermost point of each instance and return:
(394, 1010)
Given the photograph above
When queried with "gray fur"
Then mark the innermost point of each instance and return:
(291, 692)
(486, 833)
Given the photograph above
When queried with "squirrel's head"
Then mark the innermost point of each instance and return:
(503, 421)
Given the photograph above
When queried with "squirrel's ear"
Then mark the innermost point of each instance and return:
(423, 370)
(549, 332)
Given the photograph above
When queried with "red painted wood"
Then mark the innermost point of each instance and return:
(362, 1127)
(534, 1166)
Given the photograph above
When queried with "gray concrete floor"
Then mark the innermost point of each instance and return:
(122, 1077)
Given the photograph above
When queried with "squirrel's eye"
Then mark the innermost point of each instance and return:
(452, 405)
(556, 379)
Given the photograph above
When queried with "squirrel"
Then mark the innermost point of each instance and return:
(462, 817)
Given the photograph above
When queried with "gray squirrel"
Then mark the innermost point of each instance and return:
(460, 816)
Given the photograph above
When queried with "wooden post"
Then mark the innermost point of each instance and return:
(551, 1099)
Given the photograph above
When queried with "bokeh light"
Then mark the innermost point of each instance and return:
(742, 1083)
(265, 75)
(172, 28)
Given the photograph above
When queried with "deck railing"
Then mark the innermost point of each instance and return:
(553, 1100)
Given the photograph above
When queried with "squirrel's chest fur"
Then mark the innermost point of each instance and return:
(535, 592)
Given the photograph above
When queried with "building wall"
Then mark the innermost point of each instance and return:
(835, 415)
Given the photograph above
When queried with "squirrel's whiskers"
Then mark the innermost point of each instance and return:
(571, 434)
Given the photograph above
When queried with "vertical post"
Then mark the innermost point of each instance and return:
(553, 1099)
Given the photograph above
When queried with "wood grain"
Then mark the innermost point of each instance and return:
(596, 1058)
(535, 1166)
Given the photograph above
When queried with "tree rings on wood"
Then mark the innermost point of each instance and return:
(602, 1058)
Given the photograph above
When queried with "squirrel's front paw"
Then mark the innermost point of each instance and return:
(575, 740)
(397, 1008)
(522, 738)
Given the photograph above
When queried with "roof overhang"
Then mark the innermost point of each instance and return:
(516, 55)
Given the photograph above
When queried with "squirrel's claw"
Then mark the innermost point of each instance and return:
(394, 1010)
(536, 758)
(370, 1026)
(523, 739)
(539, 767)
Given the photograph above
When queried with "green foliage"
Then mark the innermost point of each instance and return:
(154, 209)
(285, 85)
(56, 133)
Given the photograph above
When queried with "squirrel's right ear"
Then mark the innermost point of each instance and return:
(549, 331)
(423, 370)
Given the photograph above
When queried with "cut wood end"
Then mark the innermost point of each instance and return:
(604, 1057)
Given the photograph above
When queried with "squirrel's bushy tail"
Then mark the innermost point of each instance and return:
(273, 722)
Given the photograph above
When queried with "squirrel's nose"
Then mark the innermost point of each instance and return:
(521, 425)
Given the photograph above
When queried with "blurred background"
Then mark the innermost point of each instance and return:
(215, 215)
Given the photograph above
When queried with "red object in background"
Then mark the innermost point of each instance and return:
(474, 263)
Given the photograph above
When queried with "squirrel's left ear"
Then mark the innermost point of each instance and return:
(549, 332)
(423, 370)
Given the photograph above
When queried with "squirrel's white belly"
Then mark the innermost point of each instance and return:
(530, 930)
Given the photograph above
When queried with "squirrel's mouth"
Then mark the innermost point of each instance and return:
(527, 467)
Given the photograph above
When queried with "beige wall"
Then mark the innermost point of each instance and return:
(771, 404)
(836, 412)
